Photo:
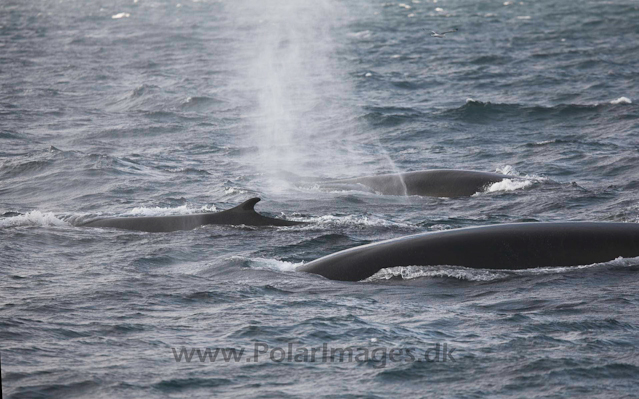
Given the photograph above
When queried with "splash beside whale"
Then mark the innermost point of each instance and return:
(243, 214)
(505, 246)
(431, 183)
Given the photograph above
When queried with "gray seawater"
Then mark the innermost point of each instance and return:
(162, 107)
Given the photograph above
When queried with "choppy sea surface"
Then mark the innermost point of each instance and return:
(158, 107)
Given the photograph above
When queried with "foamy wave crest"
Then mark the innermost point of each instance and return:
(350, 220)
(618, 262)
(465, 273)
(233, 190)
(508, 185)
(521, 181)
(621, 100)
(511, 171)
(33, 218)
(458, 272)
(268, 264)
(158, 211)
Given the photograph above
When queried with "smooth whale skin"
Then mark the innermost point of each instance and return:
(430, 183)
(504, 246)
(243, 214)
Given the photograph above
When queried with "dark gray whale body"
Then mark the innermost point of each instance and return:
(243, 214)
(431, 183)
(505, 246)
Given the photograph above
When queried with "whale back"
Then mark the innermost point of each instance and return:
(431, 183)
(243, 214)
(507, 246)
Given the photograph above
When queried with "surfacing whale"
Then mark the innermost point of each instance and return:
(243, 214)
(430, 183)
(504, 246)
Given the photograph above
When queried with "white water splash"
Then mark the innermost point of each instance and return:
(621, 100)
(508, 185)
(33, 218)
(521, 181)
(179, 210)
(511, 171)
(268, 264)
(617, 262)
(329, 221)
(413, 272)
(469, 274)
(233, 190)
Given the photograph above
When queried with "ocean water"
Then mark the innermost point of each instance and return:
(160, 107)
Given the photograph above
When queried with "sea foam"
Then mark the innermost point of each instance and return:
(621, 100)
(33, 218)
(159, 211)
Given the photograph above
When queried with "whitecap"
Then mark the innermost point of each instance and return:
(471, 274)
(511, 171)
(620, 261)
(268, 264)
(508, 185)
(33, 218)
(364, 34)
(121, 15)
(458, 272)
(159, 211)
(233, 190)
(328, 221)
(621, 100)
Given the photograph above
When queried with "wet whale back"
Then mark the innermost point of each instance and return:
(243, 214)
(449, 183)
(507, 246)
(433, 183)
(151, 223)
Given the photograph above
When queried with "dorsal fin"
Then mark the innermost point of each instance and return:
(248, 205)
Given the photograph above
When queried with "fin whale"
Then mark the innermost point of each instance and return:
(243, 214)
(429, 183)
(503, 246)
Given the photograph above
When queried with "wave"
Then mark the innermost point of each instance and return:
(160, 211)
(390, 116)
(476, 111)
(328, 221)
(508, 185)
(521, 181)
(456, 272)
(621, 100)
(120, 15)
(471, 274)
(10, 136)
(188, 171)
(33, 218)
(145, 97)
(200, 103)
(267, 264)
